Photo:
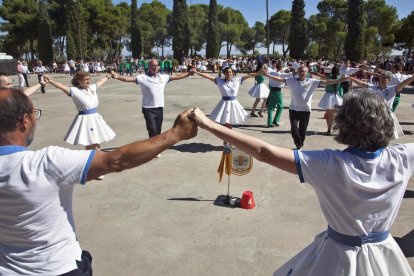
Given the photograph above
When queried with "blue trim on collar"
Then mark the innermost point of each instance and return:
(5, 150)
(298, 166)
(364, 153)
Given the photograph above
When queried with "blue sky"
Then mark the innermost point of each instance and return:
(255, 10)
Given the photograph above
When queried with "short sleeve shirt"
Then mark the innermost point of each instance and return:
(301, 93)
(229, 88)
(388, 93)
(359, 192)
(85, 99)
(37, 232)
(152, 88)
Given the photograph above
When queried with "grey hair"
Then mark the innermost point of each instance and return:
(386, 75)
(364, 121)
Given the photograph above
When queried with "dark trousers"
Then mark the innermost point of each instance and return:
(42, 88)
(84, 266)
(26, 81)
(299, 121)
(153, 119)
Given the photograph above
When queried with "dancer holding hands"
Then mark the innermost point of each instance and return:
(88, 128)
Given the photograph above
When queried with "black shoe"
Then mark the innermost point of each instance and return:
(270, 126)
(253, 115)
(260, 114)
(275, 124)
(328, 133)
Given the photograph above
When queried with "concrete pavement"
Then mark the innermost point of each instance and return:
(160, 218)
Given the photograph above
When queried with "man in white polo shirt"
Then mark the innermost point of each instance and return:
(152, 88)
(301, 91)
(37, 230)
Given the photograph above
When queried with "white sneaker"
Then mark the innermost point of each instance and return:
(101, 177)
(158, 155)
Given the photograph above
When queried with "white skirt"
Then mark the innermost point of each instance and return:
(259, 91)
(229, 112)
(325, 256)
(330, 100)
(398, 131)
(88, 130)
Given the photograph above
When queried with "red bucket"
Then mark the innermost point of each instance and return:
(247, 200)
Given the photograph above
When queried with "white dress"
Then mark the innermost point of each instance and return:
(357, 197)
(87, 129)
(66, 67)
(260, 89)
(229, 110)
(331, 98)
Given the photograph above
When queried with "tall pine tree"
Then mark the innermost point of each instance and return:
(354, 42)
(44, 37)
(181, 31)
(136, 43)
(75, 31)
(297, 35)
(213, 38)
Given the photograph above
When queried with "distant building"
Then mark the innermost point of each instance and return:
(7, 64)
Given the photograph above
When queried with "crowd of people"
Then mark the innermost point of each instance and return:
(36, 187)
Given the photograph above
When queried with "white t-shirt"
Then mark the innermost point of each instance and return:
(359, 192)
(301, 93)
(152, 88)
(388, 93)
(37, 231)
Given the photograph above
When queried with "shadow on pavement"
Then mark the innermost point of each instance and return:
(409, 194)
(189, 199)
(406, 244)
(196, 147)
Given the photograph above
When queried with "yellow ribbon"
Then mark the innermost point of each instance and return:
(225, 164)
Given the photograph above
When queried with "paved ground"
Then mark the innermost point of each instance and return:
(160, 218)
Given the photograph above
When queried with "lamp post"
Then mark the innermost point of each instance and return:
(267, 22)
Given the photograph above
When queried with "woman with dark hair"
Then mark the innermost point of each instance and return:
(331, 98)
(228, 111)
(88, 128)
(360, 189)
(259, 91)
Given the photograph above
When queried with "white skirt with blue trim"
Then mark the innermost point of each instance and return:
(259, 91)
(89, 129)
(229, 112)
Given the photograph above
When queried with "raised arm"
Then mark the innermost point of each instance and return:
(358, 82)
(122, 78)
(321, 76)
(401, 85)
(181, 76)
(213, 79)
(331, 81)
(279, 157)
(30, 90)
(56, 84)
(249, 75)
(276, 78)
(102, 80)
(138, 153)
